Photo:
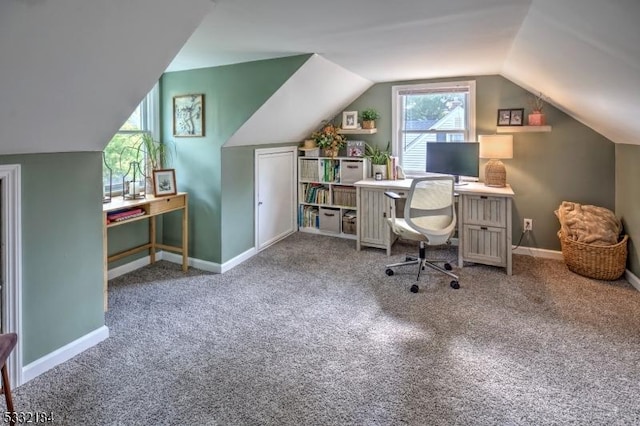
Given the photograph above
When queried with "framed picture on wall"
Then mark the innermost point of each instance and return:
(504, 117)
(355, 148)
(188, 115)
(164, 182)
(516, 117)
(350, 120)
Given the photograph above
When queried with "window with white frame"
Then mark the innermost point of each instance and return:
(123, 149)
(432, 112)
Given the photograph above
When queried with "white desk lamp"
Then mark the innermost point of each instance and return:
(495, 148)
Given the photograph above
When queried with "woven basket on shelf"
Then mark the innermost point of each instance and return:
(599, 262)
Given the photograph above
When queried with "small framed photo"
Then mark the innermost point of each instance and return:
(504, 117)
(516, 117)
(355, 148)
(188, 115)
(350, 120)
(164, 182)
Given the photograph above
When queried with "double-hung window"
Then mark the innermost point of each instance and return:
(123, 149)
(433, 112)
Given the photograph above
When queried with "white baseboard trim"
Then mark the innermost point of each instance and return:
(131, 266)
(210, 266)
(196, 263)
(633, 279)
(64, 353)
(226, 266)
(554, 254)
(536, 252)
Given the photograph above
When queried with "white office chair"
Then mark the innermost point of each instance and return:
(430, 218)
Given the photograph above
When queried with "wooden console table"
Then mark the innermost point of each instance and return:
(152, 207)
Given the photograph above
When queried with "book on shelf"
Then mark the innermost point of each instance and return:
(124, 214)
(308, 217)
(316, 193)
(392, 167)
(131, 216)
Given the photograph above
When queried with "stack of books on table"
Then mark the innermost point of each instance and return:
(124, 214)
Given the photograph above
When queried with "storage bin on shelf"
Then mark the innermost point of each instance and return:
(595, 261)
(349, 222)
(344, 196)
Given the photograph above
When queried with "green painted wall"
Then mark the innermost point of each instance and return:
(219, 231)
(571, 163)
(238, 197)
(628, 199)
(61, 249)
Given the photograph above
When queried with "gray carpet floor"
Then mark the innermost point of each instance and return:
(311, 332)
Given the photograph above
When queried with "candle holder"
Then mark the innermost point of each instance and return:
(133, 187)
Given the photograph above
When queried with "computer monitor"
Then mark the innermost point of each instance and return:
(454, 158)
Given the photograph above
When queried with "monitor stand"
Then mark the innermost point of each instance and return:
(458, 182)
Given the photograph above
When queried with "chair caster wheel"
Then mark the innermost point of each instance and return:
(414, 288)
(408, 259)
(389, 272)
(454, 284)
(447, 266)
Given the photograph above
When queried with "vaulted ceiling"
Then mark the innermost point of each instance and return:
(583, 54)
(72, 70)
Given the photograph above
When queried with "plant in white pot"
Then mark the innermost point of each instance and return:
(379, 158)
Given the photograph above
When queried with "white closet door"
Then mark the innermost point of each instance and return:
(275, 194)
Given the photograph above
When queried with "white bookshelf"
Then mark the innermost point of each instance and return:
(326, 194)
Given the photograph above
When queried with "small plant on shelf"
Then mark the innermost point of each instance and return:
(536, 117)
(329, 139)
(369, 117)
(537, 103)
(377, 155)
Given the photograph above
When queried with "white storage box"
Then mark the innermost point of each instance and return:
(330, 220)
(351, 171)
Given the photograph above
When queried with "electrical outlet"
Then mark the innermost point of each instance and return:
(528, 225)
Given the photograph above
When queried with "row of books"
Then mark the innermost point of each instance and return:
(308, 217)
(392, 168)
(124, 214)
(323, 170)
(330, 170)
(315, 193)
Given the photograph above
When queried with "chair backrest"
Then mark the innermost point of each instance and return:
(430, 209)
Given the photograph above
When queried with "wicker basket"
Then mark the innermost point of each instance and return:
(599, 262)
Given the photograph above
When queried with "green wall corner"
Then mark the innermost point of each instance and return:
(232, 94)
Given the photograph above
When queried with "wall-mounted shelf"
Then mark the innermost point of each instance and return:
(357, 131)
(522, 129)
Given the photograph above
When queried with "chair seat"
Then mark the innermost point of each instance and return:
(440, 227)
(7, 343)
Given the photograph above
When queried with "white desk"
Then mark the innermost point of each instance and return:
(484, 220)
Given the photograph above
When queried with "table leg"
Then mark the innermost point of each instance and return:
(152, 239)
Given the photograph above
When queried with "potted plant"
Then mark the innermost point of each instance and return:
(369, 117)
(329, 140)
(379, 158)
(150, 155)
(536, 117)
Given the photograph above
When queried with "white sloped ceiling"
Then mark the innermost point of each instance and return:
(317, 91)
(585, 56)
(73, 70)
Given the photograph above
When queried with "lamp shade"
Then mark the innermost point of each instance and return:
(496, 146)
